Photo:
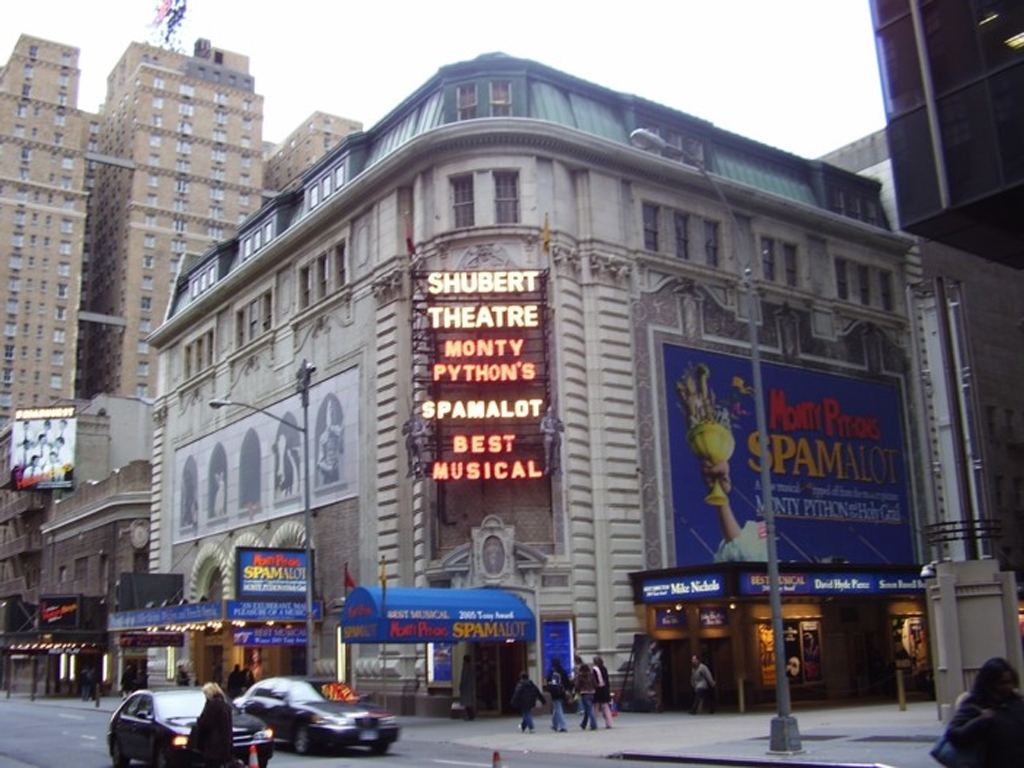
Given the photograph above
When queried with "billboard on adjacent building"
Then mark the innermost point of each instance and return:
(43, 448)
(836, 452)
(251, 470)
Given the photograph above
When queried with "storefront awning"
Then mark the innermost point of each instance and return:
(435, 615)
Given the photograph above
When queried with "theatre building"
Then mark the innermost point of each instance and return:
(529, 429)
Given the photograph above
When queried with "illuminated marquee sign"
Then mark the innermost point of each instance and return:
(481, 375)
(271, 573)
(59, 612)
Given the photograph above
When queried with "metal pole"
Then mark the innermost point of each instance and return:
(303, 376)
(785, 735)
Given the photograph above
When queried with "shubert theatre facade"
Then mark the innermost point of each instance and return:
(530, 424)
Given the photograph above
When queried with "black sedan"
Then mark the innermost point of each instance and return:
(303, 717)
(153, 727)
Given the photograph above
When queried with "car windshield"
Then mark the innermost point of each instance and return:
(184, 704)
(304, 691)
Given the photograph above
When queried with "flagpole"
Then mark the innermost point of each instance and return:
(384, 624)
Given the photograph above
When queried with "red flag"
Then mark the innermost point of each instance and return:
(350, 583)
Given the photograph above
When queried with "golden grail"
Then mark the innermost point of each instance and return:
(713, 442)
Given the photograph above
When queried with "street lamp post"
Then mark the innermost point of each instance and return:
(785, 734)
(302, 381)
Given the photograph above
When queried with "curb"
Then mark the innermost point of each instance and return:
(735, 761)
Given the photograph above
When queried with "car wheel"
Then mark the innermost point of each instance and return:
(162, 757)
(116, 755)
(380, 747)
(301, 740)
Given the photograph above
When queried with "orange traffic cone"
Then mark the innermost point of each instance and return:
(496, 760)
(254, 758)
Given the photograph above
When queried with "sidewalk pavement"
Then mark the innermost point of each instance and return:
(861, 736)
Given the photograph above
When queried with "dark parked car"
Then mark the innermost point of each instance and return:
(153, 727)
(303, 717)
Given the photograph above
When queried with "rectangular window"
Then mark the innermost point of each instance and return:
(466, 96)
(790, 264)
(650, 214)
(501, 98)
(864, 284)
(886, 296)
(506, 197)
(339, 264)
(681, 229)
(462, 201)
(842, 279)
(711, 242)
(305, 286)
(767, 258)
(323, 275)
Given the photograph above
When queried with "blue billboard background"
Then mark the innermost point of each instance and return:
(837, 454)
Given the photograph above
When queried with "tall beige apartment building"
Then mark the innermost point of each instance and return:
(43, 214)
(284, 163)
(179, 165)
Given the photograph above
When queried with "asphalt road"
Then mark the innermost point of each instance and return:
(60, 737)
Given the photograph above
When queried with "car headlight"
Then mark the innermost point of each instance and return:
(267, 734)
(179, 741)
(332, 720)
(392, 720)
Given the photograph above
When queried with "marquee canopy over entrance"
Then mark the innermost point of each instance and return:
(435, 615)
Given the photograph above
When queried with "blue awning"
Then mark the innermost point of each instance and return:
(435, 615)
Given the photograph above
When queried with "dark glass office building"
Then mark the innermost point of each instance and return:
(953, 78)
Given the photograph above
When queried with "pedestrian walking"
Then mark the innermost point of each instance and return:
(557, 686)
(129, 682)
(86, 680)
(467, 688)
(585, 688)
(236, 682)
(703, 687)
(991, 717)
(212, 734)
(524, 698)
(602, 691)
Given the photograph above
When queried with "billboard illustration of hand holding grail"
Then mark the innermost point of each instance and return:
(835, 454)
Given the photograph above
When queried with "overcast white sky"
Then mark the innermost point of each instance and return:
(801, 75)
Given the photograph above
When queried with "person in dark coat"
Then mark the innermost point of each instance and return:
(467, 688)
(129, 682)
(524, 698)
(992, 714)
(602, 691)
(236, 682)
(557, 686)
(212, 735)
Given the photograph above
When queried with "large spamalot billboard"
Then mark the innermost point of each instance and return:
(837, 457)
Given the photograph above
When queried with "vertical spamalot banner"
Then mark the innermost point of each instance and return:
(483, 408)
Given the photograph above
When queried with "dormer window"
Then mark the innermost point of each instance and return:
(466, 95)
(501, 98)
